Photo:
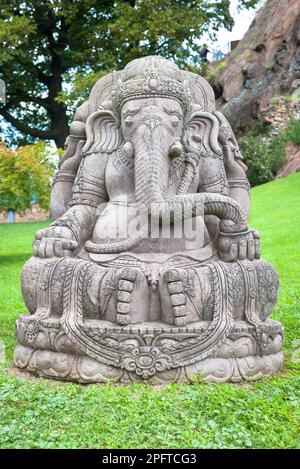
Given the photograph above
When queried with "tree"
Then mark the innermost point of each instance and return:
(47, 45)
(25, 176)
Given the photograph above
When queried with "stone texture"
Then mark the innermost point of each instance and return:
(116, 288)
(278, 111)
(276, 115)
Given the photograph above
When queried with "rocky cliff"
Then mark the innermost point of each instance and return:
(265, 64)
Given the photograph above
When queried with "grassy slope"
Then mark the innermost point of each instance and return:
(38, 413)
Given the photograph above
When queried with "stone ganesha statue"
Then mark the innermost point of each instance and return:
(149, 270)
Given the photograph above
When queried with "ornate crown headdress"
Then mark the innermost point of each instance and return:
(150, 77)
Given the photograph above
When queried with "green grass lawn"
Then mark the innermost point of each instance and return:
(39, 413)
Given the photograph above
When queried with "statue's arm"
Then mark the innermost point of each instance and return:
(246, 244)
(238, 183)
(71, 230)
(233, 167)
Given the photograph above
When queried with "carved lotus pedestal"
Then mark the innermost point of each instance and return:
(152, 353)
(149, 270)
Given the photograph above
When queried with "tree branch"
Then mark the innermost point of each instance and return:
(44, 102)
(161, 45)
(43, 134)
(45, 79)
(15, 99)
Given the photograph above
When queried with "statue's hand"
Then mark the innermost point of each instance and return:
(239, 245)
(53, 241)
(234, 167)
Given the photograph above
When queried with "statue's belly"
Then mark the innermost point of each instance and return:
(113, 222)
(122, 220)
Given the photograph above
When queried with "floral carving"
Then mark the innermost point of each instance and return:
(146, 361)
(31, 331)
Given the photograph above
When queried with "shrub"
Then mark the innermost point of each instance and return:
(212, 72)
(293, 131)
(25, 175)
(263, 154)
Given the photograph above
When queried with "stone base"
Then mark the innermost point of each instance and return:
(152, 352)
(85, 370)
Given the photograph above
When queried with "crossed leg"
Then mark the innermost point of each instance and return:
(189, 294)
(116, 295)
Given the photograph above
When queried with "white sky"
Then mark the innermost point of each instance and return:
(242, 21)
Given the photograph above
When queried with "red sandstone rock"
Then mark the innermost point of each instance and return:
(266, 63)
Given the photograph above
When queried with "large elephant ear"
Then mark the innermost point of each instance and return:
(202, 130)
(102, 133)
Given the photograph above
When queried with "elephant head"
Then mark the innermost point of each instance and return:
(152, 121)
(151, 130)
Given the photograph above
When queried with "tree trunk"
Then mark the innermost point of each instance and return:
(57, 111)
(59, 123)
